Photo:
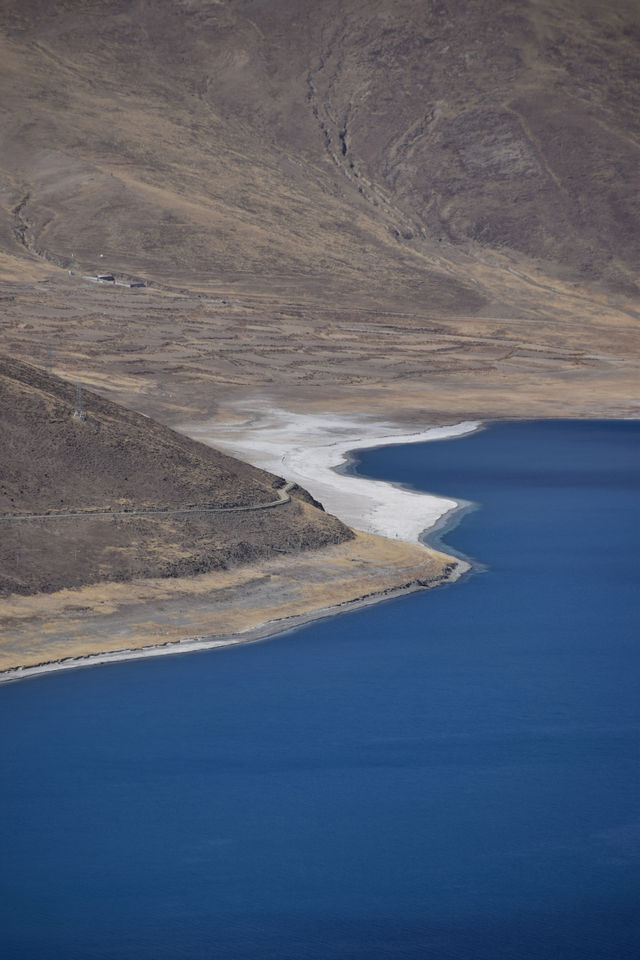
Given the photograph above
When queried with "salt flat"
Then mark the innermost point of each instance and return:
(310, 449)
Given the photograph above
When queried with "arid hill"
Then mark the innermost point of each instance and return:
(335, 147)
(420, 205)
(119, 463)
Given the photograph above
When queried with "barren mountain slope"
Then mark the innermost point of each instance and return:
(432, 200)
(508, 126)
(121, 141)
(324, 143)
(117, 461)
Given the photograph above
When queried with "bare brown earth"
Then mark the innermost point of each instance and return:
(410, 206)
(113, 495)
(420, 211)
(184, 357)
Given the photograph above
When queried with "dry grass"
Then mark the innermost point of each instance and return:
(109, 616)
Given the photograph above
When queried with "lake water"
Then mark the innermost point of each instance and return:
(453, 774)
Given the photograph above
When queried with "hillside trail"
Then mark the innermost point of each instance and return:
(283, 497)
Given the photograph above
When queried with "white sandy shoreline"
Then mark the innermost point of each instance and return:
(309, 450)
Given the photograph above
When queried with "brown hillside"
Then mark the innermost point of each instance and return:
(435, 200)
(267, 142)
(115, 460)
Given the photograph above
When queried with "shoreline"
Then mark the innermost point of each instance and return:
(321, 465)
(316, 451)
(267, 631)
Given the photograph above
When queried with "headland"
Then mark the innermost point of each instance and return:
(106, 622)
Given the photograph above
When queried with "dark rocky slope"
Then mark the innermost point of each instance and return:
(115, 460)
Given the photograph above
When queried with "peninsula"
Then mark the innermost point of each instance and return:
(123, 538)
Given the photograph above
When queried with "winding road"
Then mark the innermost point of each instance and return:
(283, 497)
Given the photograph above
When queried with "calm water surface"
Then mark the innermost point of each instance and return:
(449, 775)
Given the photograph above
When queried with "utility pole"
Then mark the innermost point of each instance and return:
(48, 364)
(79, 410)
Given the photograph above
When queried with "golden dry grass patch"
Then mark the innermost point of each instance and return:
(113, 616)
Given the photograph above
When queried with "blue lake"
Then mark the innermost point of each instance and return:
(454, 774)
